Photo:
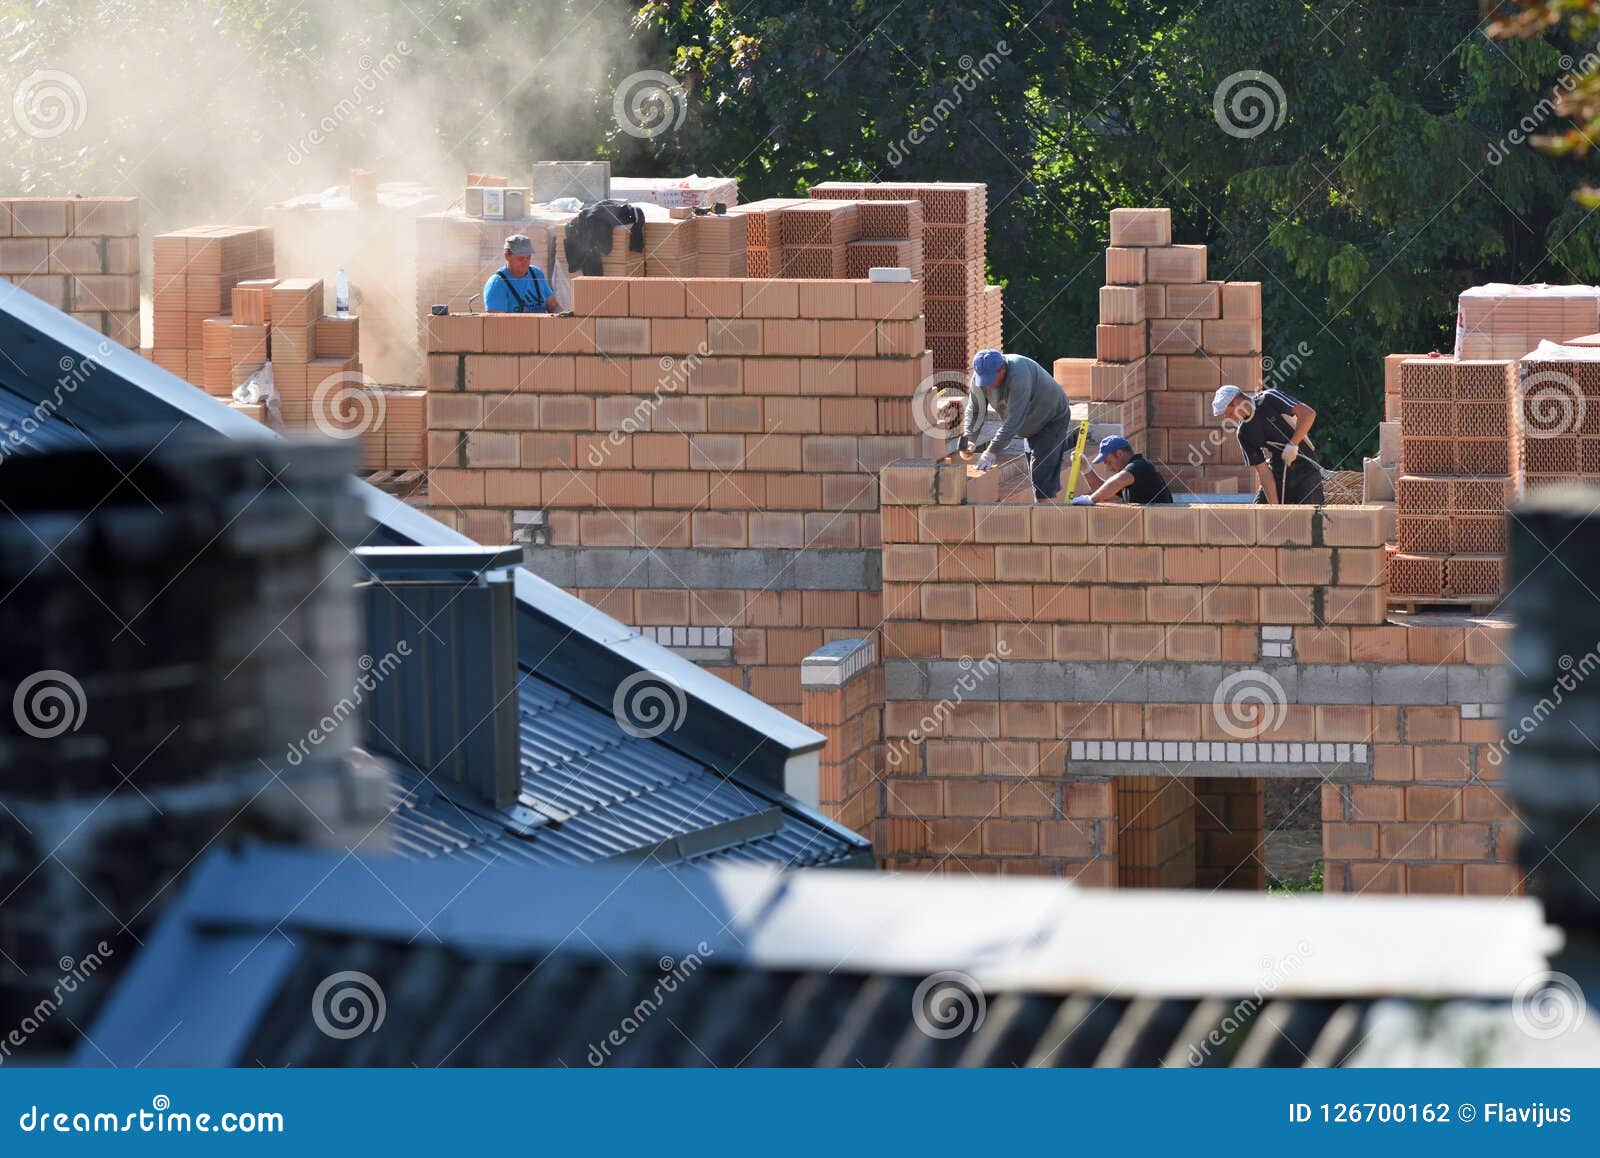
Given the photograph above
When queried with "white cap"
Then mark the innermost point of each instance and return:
(1221, 399)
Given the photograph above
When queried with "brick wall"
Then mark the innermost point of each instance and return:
(1037, 657)
(79, 254)
(696, 453)
(1168, 337)
(842, 697)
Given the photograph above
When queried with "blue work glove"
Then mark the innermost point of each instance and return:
(986, 460)
(1082, 501)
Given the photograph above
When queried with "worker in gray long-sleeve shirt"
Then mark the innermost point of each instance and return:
(1031, 405)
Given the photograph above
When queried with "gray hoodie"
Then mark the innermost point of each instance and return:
(1027, 401)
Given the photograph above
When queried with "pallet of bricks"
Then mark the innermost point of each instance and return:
(1500, 321)
(80, 255)
(1455, 482)
(193, 275)
(1556, 415)
(316, 371)
(963, 315)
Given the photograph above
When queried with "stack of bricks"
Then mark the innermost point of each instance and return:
(719, 246)
(195, 272)
(761, 238)
(889, 236)
(1168, 338)
(960, 314)
(1501, 321)
(1455, 481)
(80, 255)
(1556, 421)
(814, 236)
(1053, 673)
(669, 248)
(686, 452)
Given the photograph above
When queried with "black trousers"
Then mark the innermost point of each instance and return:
(1045, 449)
(1301, 487)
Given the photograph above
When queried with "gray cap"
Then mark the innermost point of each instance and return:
(1222, 398)
(519, 243)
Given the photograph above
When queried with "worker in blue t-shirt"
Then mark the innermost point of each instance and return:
(519, 286)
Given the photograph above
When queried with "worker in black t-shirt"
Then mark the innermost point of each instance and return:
(1273, 430)
(1134, 477)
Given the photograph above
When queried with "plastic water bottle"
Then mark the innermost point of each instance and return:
(341, 294)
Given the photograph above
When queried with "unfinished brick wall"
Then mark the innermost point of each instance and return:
(1035, 651)
(698, 456)
(1167, 338)
(79, 254)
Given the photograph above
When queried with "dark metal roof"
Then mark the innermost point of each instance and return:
(712, 786)
(508, 964)
(29, 427)
(592, 792)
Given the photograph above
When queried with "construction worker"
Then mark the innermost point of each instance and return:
(1273, 429)
(1030, 405)
(1134, 477)
(519, 286)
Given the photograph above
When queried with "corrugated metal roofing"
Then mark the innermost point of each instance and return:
(593, 792)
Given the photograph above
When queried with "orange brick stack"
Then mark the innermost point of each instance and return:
(1455, 479)
(761, 240)
(80, 255)
(719, 246)
(953, 257)
(195, 271)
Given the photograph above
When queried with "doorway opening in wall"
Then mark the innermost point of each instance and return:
(1192, 832)
(1292, 808)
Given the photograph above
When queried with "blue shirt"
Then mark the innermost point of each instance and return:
(532, 287)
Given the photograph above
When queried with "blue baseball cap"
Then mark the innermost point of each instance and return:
(1111, 443)
(987, 364)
